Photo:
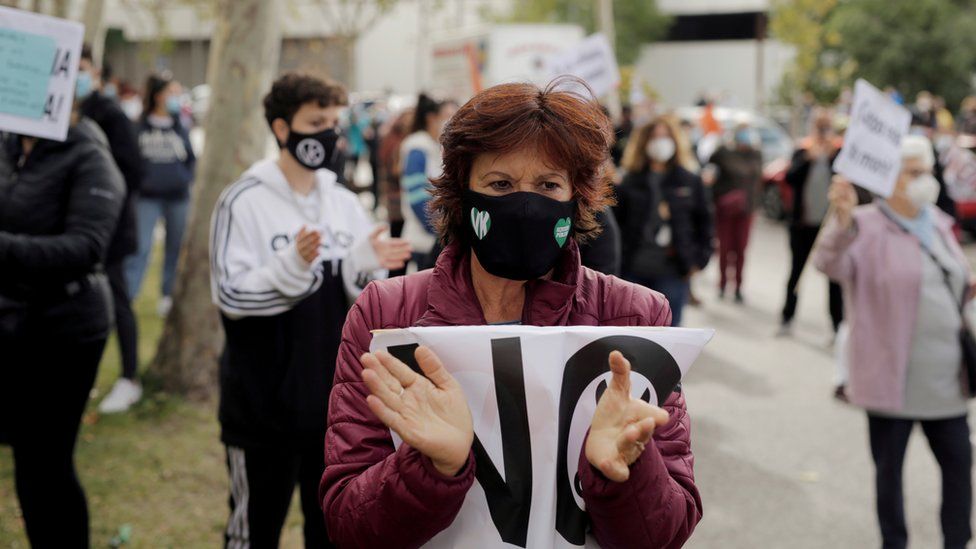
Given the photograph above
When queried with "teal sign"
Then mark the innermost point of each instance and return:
(25, 68)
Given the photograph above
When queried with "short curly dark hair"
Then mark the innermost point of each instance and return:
(293, 89)
(571, 130)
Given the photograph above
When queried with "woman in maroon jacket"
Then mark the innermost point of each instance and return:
(518, 161)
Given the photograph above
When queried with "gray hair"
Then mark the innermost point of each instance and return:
(918, 146)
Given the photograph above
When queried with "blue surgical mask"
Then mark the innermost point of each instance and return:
(743, 137)
(110, 91)
(173, 105)
(83, 85)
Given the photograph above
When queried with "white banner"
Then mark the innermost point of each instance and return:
(871, 156)
(532, 393)
(38, 66)
(959, 173)
(592, 60)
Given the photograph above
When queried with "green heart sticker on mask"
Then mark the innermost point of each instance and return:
(480, 222)
(561, 230)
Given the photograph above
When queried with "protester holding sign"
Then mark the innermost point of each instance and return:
(524, 176)
(289, 245)
(906, 279)
(60, 207)
(809, 176)
(664, 213)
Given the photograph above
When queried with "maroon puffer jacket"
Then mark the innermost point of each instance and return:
(376, 496)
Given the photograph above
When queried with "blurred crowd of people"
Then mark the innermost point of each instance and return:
(685, 185)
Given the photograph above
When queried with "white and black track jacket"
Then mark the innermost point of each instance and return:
(255, 267)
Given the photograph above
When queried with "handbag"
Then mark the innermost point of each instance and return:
(967, 341)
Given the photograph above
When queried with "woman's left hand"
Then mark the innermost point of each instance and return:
(393, 253)
(621, 426)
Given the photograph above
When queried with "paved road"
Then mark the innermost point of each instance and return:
(778, 461)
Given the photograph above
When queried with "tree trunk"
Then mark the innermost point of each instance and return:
(61, 8)
(94, 20)
(348, 45)
(243, 60)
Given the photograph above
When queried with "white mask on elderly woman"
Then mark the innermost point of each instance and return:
(661, 149)
(923, 190)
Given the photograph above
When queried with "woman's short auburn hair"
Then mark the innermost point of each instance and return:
(570, 130)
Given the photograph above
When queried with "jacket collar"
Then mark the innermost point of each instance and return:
(942, 222)
(451, 300)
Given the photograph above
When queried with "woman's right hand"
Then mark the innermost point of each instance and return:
(843, 198)
(429, 413)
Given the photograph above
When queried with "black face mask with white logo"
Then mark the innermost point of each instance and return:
(517, 236)
(313, 150)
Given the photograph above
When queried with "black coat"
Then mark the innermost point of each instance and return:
(124, 144)
(737, 171)
(603, 252)
(796, 177)
(58, 211)
(637, 213)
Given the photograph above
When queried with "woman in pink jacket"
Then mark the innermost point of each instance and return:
(905, 278)
(533, 162)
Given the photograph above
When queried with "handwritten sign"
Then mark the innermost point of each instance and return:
(532, 392)
(25, 64)
(592, 60)
(38, 66)
(871, 156)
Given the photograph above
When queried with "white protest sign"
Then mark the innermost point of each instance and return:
(959, 173)
(592, 60)
(532, 393)
(38, 66)
(871, 156)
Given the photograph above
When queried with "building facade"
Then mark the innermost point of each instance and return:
(718, 49)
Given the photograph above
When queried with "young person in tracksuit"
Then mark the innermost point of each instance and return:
(289, 246)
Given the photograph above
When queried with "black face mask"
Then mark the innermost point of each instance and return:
(313, 150)
(517, 236)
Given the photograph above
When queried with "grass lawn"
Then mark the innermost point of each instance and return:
(157, 471)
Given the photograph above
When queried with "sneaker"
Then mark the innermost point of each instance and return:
(123, 395)
(785, 330)
(738, 298)
(165, 305)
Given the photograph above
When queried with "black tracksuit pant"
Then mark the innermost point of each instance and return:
(802, 239)
(262, 481)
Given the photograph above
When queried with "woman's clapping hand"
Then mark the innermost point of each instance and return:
(622, 424)
(429, 413)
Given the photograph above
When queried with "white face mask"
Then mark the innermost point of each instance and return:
(923, 190)
(661, 149)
